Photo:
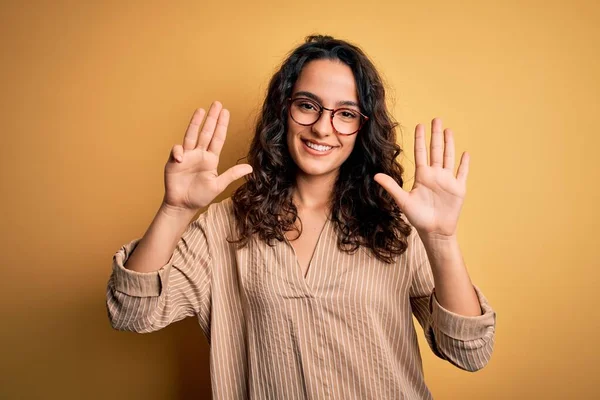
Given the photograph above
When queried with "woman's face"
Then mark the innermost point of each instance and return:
(318, 150)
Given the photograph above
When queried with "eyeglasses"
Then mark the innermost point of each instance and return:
(344, 121)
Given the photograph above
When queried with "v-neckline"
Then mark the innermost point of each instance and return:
(297, 267)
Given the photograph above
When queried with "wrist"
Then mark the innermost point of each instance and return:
(173, 212)
(440, 247)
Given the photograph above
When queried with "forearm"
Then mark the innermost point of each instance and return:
(453, 287)
(160, 240)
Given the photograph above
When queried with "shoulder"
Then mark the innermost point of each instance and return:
(224, 206)
(414, 252)
(219, 217)
(221, 211)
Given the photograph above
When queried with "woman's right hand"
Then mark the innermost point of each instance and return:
(191, 178)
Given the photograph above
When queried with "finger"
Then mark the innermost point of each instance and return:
(448, 149)
(420, 147)
(216, 144)
(463, 168)
(392, 187)
(437, 143)
(209, 125)
(232, 174)
(177, 153)
(191, 134)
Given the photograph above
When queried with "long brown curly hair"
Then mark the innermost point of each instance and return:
(364, 214)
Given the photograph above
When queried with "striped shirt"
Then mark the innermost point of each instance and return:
(345, 331)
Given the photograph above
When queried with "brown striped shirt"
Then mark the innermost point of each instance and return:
(344, 332)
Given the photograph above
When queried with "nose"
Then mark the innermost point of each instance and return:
(323, 126)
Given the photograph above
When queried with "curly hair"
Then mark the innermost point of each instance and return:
(364, 214)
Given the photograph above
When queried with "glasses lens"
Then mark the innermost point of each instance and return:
(347, 121)
(305, 112)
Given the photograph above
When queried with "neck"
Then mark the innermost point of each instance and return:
(314, 192)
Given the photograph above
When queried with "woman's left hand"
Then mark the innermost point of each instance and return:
(435, 201)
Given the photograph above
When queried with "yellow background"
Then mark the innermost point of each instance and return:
(94, 94)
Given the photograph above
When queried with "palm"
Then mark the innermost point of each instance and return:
(434, 203)
(193, 182)
(190, 182)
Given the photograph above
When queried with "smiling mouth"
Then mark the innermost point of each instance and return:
(317, 147)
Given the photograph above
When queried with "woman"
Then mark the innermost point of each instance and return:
(306, 280)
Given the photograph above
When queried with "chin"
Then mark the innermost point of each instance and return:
(310, 167)
(313, 170)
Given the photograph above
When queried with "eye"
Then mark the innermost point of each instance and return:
(348, 114)
(306, 105)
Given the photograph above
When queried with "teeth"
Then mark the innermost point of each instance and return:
(318, 147)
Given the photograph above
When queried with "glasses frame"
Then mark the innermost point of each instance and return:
(332, 113)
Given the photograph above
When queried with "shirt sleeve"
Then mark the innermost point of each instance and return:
(146, 302)
(465, 341)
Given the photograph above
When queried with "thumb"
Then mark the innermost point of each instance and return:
(232, 174)
(177, 153)
(392, 187)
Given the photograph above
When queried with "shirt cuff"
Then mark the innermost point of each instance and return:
(138, 284)
(463, 327)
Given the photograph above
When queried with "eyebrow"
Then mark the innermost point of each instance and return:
(317, 98)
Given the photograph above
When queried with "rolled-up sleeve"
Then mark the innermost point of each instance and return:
(465, 341)
(146, 302)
